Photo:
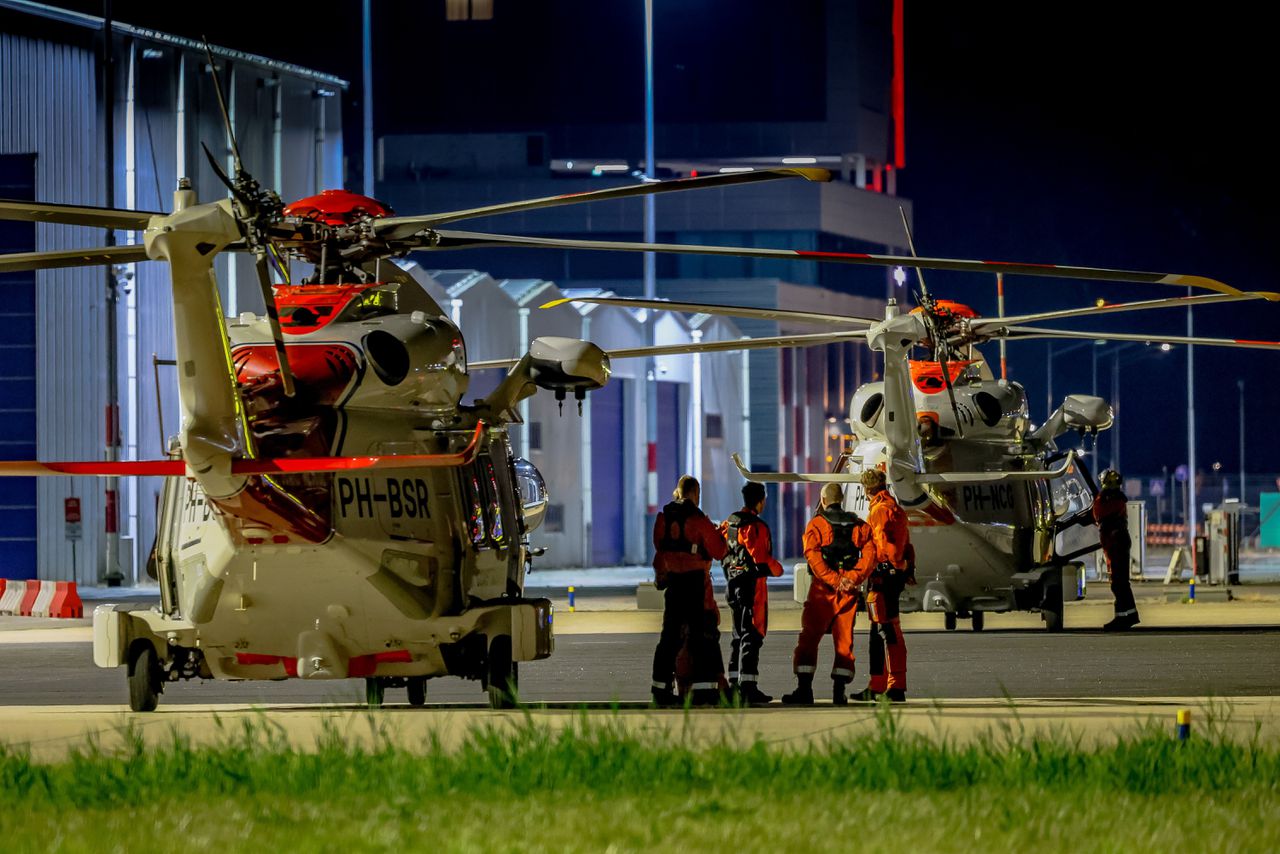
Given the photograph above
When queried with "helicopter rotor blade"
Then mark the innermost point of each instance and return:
(222, 106)
(777, 341)
(94, 217)
(440, 240)
(392, 228)
(1020, 333)
(983, 323)
(721, 310)
(52, 259)
(264, 466)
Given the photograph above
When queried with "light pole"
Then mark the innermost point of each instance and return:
(1240, 390)
(650, 282)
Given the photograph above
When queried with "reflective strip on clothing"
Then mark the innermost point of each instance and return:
(665, 686)
(805, 668)
(1132, 612)
(749, 677)
(841, 671)
(705, 686)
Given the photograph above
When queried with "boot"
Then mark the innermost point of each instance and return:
(1121, 623)
(752, 695)
(707, 697)
(866, 695)
(664, 699)
(837, 692)
(803, 694)
(896, 695)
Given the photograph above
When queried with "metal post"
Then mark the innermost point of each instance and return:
(1191, 437)
(746, 405)
(366, 75)
(1048, 372)
(1240, 389)
(1000, 313)
(695, 404)
(111, 565)
(1115, 409)
(585, 462)
(650, 280)
(523, 314)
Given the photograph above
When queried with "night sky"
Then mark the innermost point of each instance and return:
(1083, 133)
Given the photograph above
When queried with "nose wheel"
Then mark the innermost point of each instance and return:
(502, 674)
(144, 678)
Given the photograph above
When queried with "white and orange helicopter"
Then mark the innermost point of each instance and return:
(999, 515)
(335, 510)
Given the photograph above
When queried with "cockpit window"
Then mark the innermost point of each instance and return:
(376, 302)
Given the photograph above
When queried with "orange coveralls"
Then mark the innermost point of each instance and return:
(748, 593)
(890, 543)
(828, 608)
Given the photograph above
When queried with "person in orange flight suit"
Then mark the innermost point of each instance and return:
(746, 565)
(888, 564)
(685, 543)
(833, 542)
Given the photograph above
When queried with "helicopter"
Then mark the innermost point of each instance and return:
(999, 515)
(332, 508)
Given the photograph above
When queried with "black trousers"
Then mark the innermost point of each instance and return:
(744, 649)
(686, 610)
(1117, 554)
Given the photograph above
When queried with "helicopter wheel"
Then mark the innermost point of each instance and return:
(503, 675)
(144, 679)
(417, 690)
(374, 690)
(979, 620)
(1051, 608)
(949, 620)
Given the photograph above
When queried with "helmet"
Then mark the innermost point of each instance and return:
(1111, 479)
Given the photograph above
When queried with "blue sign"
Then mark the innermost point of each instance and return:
(1155, 487)
(1180, 474)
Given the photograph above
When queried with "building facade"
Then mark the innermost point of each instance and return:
(55, 374)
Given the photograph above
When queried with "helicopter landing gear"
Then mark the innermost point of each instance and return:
(949, 620)
(1051, 607)
(502, 675)
(979, 620)
(374, 690)
(417, 686)
(144, 678)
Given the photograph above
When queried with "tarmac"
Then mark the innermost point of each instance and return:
(1218, 657)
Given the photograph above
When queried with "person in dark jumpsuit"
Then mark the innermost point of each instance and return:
(1110, 512)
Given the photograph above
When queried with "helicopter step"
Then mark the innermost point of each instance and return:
(485, 642)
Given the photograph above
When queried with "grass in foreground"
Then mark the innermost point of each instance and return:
(595, 786)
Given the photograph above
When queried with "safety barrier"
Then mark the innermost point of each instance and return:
(1165, 534)
(40, 599)
(66, 601)
(11, 600)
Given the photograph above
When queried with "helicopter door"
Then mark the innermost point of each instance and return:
(1071, 500)
(167, 531)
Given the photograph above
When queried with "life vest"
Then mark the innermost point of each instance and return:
(840, 554)
(676, 516)
(1112, 515)
(738, 560)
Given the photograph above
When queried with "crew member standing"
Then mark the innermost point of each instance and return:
(686, 542)
(833, 541)
(747, 564)
(1111, 512)
(889, 564)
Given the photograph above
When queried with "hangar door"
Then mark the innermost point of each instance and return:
(608, 451)
(17, 377)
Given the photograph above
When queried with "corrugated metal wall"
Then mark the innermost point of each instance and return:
(49, 107)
